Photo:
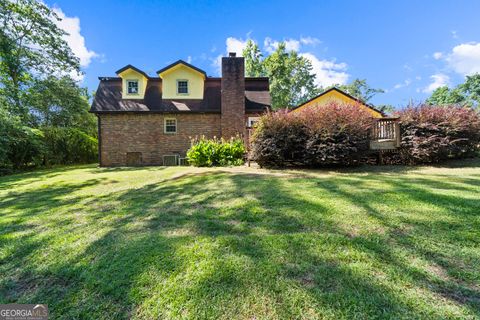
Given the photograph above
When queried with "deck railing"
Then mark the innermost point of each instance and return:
(387, 131)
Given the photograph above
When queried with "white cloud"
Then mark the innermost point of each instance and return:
(236, 45)
(232, 45)
(437, 55)
(405, 83)
(309, 41)
(290, 44)
(74, 38)
(465, 58)
(217, 64)
(327, 72)
(271, 45)
(438, 80)
(189, 59)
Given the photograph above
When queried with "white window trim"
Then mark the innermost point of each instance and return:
(250, 119)
(188, 87)
(165, 125)
(138, 87)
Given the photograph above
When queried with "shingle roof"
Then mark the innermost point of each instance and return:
(129, 66)
(108, 98)
(184, 63)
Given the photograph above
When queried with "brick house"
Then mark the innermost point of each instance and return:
(145, 120)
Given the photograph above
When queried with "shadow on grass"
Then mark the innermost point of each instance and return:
(228, 244)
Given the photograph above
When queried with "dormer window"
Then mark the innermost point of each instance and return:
(132, 86)
(182, 86)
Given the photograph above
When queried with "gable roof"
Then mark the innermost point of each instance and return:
(108, 98)
(185, 64)
(129, 66)
(343, 93)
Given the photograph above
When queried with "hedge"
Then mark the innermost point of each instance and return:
(431, 134)
(332, 134)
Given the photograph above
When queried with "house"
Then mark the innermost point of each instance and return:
(145, 120)
(336, 95)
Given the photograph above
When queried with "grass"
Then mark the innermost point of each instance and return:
(242, 243)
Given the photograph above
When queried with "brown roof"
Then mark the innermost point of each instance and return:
(108, 98)
(184, 63)
(129, 66)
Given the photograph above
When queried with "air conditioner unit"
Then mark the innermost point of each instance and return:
(170, 160)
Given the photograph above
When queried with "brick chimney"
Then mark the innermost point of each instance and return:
(233, 96)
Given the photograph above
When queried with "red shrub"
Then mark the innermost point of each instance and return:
(324, 135)
(433, 133)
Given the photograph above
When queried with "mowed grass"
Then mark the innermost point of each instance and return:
(243, 243)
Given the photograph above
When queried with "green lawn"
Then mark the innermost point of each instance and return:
(243, 243)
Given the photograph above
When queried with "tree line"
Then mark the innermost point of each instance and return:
(44, 115)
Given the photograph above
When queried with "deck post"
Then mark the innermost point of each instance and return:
(398, 138)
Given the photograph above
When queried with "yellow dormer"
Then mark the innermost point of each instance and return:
(181, 80)
(134, 82)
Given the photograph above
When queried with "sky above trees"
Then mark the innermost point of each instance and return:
(407, 48)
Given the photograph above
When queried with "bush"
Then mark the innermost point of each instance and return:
(216, 152)
(333, 134)
(433, 133)
(22, 147)
(69, 146)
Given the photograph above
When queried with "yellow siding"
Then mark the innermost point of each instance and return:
(131, 74)
(182, 72)
(338, 97)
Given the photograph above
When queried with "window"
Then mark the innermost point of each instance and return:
(182, 86)
(170, 125)
(132, 86)
(252, 121)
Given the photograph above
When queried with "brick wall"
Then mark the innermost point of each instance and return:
(144, 133)
(233, 96)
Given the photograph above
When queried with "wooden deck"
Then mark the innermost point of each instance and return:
(385, 134)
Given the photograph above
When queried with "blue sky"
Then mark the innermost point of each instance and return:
(407, 48)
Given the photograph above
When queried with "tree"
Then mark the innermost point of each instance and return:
(471, 88)
(464, 94)
(253, 60)
(446, 96)
(291, 79)
(31, 44)
(360, 89)
(60, 102)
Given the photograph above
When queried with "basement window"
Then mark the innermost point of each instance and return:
(132, 86)
(182, 86)
(170, 125)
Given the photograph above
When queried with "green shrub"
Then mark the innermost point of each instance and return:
(333, 134)
(216, 152)
(22, 146)
(69, 146)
